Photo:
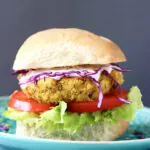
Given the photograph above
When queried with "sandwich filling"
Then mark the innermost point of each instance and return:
(52, 86)
(68, 100)
(59, 122)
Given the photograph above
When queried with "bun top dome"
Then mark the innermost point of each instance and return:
(66, 47)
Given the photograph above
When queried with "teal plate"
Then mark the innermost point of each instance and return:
(137, 137)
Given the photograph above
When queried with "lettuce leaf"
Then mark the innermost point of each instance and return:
(18, 115)
(55, 115)
(59, 118)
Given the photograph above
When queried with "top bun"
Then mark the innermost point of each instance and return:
(66, 47)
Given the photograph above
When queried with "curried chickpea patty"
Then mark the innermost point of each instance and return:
(70, 89)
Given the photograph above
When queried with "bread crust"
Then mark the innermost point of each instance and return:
(66, 47)
(96, 132)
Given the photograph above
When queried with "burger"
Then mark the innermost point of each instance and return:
(70, 87)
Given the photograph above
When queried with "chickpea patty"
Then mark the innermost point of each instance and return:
(70, 89)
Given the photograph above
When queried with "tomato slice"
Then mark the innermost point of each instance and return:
(110, 101)
(18, 100)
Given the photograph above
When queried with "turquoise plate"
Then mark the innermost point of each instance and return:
(137, 137)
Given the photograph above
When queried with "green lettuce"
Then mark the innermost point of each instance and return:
(59, 118)
(18, 115)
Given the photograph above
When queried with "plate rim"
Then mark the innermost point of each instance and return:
(22, 138)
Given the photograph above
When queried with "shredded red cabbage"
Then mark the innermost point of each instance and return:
(77, 73)
(109, 75)
(118, 85)
(118, 68)
(100, 94)
(124, 100)
(16, 72)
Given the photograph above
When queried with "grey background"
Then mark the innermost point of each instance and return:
(126, 22)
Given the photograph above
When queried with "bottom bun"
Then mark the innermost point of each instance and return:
(97, 132)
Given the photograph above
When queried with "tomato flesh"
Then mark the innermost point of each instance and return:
(110, 101)
(18, 100)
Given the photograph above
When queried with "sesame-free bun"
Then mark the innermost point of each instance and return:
(66, 47)
(96, 132)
